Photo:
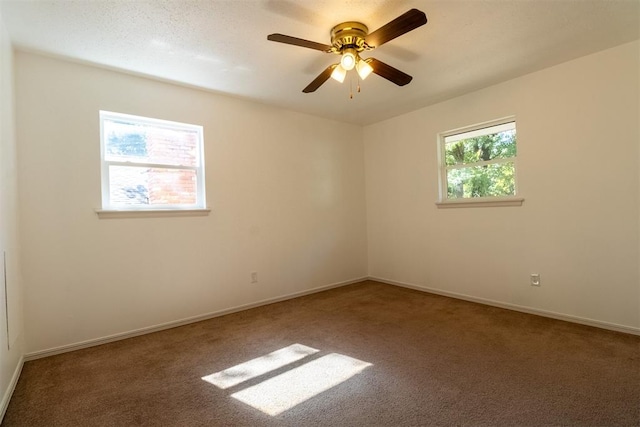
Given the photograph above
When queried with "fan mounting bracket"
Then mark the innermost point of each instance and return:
(350, 34)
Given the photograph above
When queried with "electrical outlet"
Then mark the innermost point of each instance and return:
(535, 279)
(254, 277)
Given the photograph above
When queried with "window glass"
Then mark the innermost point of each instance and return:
(479, 162)
(149, 163)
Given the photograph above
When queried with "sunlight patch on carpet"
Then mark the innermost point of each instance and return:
(259, 366)
(283, 392)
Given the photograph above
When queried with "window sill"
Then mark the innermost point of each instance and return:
(150, 213)
(480, 203)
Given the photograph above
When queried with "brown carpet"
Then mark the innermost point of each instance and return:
(434, 361)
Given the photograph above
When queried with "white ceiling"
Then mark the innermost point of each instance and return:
(222, 45)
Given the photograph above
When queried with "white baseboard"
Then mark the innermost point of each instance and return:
(12, 386)
(168, 325)
(559, 316)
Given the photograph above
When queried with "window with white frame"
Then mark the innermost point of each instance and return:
(150, 164)
(478, 162)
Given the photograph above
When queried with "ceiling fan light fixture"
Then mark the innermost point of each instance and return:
(348, 60)
(363, 68)
(339, 73)
(349, 39)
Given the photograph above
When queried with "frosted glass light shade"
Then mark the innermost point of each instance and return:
(348, 60)
(364, 69)
(339, 73)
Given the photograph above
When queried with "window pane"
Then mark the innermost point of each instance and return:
(139, 142)
(481, 181)
(478, 148)
(151, 186)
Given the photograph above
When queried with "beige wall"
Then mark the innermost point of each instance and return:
(578, 140)
(286, 192)
(11, 337)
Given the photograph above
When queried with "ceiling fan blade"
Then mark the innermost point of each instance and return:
(318, 81)
(281, 38)
(388, 72)
(399, 26)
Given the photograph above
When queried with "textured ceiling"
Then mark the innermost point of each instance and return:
(222, 45)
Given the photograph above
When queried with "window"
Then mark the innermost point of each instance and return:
(478, 163)
(150, 164)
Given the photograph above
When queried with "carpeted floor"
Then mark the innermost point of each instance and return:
(416, 359)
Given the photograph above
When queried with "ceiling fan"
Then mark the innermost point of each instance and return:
(351, 38)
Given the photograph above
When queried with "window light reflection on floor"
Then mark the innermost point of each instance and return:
(259, 366)
(292, 387)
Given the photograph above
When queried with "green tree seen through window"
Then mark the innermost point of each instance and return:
(486, 175)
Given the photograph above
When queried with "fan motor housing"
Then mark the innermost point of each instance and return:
(349, 34)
